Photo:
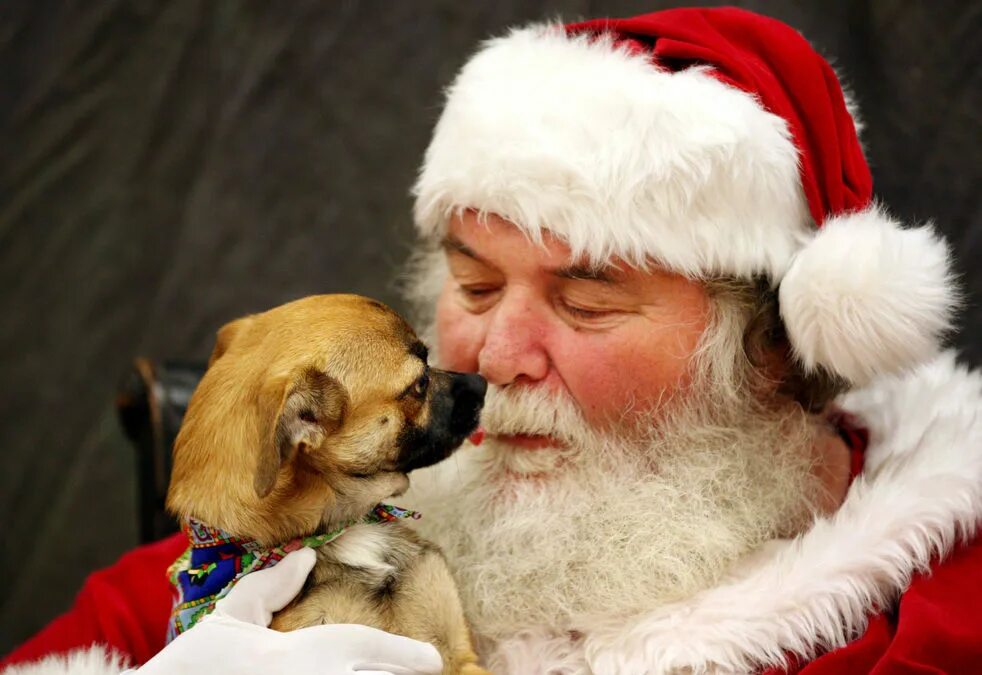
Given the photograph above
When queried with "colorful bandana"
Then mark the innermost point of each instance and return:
(215, 561)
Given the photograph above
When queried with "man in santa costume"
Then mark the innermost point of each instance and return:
(720, 436)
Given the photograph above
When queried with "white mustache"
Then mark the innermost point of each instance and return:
(534, 412)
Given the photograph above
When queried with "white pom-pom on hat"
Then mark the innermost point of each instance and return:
(867, 296)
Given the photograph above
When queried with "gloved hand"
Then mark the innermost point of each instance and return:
(234, 638)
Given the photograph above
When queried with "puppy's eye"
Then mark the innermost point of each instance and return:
(421, 385)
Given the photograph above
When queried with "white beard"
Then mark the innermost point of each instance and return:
(615, 524)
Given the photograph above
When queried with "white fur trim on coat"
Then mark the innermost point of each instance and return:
(919, 495)
(96, 660)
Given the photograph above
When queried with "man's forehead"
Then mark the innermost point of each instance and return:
(572, 268)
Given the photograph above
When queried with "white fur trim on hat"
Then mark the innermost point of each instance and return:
(624, 160)
(868, 296)
(617, 157)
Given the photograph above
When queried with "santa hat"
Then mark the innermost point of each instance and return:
(709, 141)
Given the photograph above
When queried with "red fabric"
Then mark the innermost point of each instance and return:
(935, 629)
(774, 62)
(125, 606)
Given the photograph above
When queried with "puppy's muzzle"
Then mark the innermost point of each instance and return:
(455, 409)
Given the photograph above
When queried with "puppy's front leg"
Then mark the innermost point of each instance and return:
(426, 607)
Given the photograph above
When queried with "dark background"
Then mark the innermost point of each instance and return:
(168, 165)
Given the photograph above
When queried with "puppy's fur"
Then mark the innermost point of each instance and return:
(308, 416)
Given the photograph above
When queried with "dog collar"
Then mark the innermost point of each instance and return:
(215, 560)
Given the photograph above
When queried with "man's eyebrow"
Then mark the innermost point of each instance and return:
(452, 243)
(576, 272)
(581, 272)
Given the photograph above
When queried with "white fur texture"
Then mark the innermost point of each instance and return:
(95, 660)
(867, 296)
(920, 494)
(364, 546)
(619, 158)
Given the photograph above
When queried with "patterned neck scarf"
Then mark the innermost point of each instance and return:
(215, 561)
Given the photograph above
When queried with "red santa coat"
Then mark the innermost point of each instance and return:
(892, 583)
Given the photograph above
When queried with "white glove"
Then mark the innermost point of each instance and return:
(234, 638)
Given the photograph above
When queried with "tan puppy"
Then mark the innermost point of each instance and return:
(308, 416)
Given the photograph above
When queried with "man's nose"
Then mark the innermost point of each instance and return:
(513, 349)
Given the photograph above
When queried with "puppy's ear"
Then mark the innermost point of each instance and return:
(225, 336)
(311, 407)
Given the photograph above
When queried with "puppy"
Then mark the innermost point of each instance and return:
(309, 415)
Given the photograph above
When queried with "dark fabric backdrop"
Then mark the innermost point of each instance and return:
(167, 166)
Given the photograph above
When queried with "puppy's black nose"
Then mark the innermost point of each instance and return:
(470, 384)
(467, 391)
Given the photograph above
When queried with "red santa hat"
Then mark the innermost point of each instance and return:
(709, 141)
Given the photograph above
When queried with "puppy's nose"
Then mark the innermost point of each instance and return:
(469, 385)
(467, 391)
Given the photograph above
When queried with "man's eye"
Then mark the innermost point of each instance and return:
(477, 291)
(583, 313)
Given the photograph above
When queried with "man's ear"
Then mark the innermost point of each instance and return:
(225, 336)
(310, 408)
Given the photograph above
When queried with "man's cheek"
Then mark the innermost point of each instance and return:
(458, 336)
(607, 402)
(598, 382)
(609, 375)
